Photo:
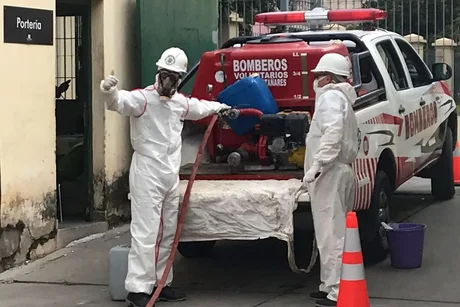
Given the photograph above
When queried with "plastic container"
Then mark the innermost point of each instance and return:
(405, 242)
(118, 269)
(249, 92)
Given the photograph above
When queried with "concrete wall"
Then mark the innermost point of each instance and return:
(113, 51)
(27, 135)
(98, 120)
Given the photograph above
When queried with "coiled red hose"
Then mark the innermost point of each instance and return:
(182, 212)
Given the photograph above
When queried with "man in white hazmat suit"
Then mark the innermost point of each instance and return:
(332, 145)
(157, 115)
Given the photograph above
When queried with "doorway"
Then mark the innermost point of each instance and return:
(74, 174)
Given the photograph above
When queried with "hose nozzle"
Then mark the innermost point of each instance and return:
(233, 113)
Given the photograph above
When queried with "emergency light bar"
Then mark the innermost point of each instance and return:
(321, 16)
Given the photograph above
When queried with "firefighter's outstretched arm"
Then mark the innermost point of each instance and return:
(124, 102)
(331, 117)
(197, 109)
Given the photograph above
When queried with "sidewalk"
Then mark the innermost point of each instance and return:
(84, 261)
(242, 274)
(73, 276)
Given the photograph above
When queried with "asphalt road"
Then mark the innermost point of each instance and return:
(250, 274)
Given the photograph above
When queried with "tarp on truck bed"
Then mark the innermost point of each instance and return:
(240, 210)
(243, 210)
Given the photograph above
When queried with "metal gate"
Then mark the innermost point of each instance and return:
(429, 21)
(190, 25)
(236, 17)
(433, 26)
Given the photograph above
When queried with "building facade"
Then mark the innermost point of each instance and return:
(64, 159)
(65, 143)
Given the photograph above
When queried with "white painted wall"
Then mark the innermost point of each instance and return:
(119, 57)
(27, 134)
(113, 49)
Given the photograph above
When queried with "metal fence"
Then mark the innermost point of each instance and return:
(236, 17)
(426, 20)
(434, 26)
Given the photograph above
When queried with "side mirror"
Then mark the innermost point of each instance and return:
(441, 71)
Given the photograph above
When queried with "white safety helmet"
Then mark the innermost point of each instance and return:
(334, 63)
(173, 59)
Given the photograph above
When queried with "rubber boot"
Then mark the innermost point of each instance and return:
(138, 299)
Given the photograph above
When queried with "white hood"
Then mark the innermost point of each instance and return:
(347, 89)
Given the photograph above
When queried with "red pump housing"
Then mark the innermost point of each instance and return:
(284, 66)
(283, 62)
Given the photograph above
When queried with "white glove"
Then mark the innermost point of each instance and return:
(109, 83)
(312, 173)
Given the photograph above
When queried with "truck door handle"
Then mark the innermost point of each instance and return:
(422, 102)
(401, 109)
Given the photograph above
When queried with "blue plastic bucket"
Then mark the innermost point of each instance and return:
(405, 242)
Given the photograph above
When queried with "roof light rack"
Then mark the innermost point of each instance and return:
(320, 16)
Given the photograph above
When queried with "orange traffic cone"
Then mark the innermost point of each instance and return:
(456, 164)
(353, 287)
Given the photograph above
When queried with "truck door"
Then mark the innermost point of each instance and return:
(398, 93)
(420, 122)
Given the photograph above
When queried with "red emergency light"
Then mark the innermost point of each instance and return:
(321, 16)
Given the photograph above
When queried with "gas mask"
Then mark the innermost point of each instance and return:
(167, 83)
(316, 82)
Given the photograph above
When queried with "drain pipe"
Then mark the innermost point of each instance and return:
(284, 5)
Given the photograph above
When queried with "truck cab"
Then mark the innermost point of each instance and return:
(406, 115)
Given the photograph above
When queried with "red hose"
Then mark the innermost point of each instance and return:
(183, 210)
(251, 112)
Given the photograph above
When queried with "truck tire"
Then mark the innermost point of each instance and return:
(442, 180)
(199, 249)
(373, 236)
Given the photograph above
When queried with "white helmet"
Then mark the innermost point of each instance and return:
(334, 63)
(173, 59)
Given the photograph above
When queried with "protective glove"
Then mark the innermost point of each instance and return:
(312, 173)
(109, 83)
(224, 109)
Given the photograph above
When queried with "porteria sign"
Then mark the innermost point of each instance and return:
(27, 26)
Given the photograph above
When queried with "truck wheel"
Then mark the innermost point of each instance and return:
(199, 249)
(373, 235)
(442, 180)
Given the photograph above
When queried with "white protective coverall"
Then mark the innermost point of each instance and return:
(332, 142)
(156, 128)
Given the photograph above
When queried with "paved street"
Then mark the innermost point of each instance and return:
(250, 274)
